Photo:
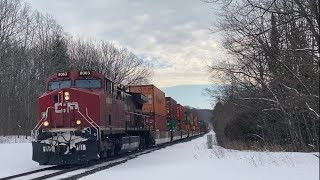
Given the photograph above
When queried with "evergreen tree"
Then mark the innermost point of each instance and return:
(274, 52)
(59, 57)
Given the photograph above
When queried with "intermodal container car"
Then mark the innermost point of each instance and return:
(180, 117)
(196, 122)
(187, 127)
(186, 118)
(171, 107)
(156, 99)
(191, 119)
(157, 122)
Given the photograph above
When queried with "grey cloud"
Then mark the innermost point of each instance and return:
(171, 33)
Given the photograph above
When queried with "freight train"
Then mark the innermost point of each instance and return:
(84, 115)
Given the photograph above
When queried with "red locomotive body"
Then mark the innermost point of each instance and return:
(83, 116)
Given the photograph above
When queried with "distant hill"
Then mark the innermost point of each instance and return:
(202, 114)
(205, 114)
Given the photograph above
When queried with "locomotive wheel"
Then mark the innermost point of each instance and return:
(142, 143)
(110, 152)
(101, 154)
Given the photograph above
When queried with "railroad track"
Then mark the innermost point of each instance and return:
(29, 173)
(76, 172)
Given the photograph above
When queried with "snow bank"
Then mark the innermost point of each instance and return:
(186, 161)
(14, 139)
(191, 161)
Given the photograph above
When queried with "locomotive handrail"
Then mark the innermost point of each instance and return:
(39, 124)
(92, 123)
(91, 118)
(34, 132)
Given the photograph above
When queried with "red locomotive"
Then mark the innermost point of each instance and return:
(84, 115)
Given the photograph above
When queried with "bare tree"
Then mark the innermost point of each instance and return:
(32, 47)
(121, 65)
(275, 73)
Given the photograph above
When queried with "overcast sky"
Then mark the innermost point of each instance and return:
(173, 34)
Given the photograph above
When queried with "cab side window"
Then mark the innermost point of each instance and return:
(108, 87)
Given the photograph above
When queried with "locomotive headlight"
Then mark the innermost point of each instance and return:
(66, 96)
(78, 121)
(46, 123)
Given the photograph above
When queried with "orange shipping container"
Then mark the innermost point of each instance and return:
(193, 128)
(171, 108)
(187, 127)
(156, 122)
(191, 119)
(195, 120)
(197, 128)
(156, 99)
(180, 117)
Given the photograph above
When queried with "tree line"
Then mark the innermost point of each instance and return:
(272, 92)
(34, 46)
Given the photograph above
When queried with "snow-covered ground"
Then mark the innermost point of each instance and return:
(16, 158)
(190, 160)
(14, 139)
(193, 161)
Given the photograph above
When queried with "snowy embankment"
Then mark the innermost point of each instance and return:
(14, 139)
(190, 160)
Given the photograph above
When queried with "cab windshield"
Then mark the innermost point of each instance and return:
(88, 83)
(52, 85)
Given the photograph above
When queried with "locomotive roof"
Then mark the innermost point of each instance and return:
(71, 74)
